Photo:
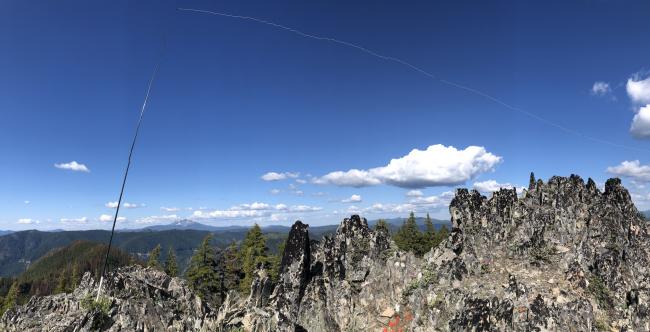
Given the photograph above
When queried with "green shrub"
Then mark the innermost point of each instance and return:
(429, 276)
(601, 325)
(103, 304)
(542, 254)
(98, 309)
(600, 292)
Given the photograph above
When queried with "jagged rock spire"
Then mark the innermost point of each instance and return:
(564, 255)
(294, 271)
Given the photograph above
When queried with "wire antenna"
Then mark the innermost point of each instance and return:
(128, 164)
(426, 73)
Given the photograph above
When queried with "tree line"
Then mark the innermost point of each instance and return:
(60, 271)
(211, 273)
(410, 238)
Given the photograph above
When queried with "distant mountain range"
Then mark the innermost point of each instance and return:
(186, 224)
(5, 232)
(18, 250)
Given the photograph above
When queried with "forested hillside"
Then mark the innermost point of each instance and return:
(60, 270)
(21, 249)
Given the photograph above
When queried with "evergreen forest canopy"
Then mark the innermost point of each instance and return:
(212, 271)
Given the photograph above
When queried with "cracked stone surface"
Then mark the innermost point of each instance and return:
(141, 299)
(561, 255)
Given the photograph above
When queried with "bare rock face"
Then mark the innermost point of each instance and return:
(562, 255)
(138, 299)
(294, 271)
(345, 282)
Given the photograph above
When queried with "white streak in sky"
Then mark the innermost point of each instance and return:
(424, 72)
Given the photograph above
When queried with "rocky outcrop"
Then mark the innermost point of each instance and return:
(330, 285)
(562, 255)
(134, 299)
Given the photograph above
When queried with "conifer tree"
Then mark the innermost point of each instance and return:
(429, 233)
(253, 254)
(276, 261)
(443, 233)
(61, 284)
(409, 237)
(171, 267)
(74, 279)
(154, 258)
(382, 226)
(202, 272)
(531, 182)
(11, 298)
(232, 267)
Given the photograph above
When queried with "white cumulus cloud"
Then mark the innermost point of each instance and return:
(631, 169)
(169, 209)
(304, 208)
(228, 214)
(125, 205)
(108, 217)
(640, 127)
(353, 199)
(274, 176)
(257, 211)
(156, 219)
(600, 89)
(74, 220)
(352, 178)
(253, 206)
(73, 166)
(278, 217)
(438, 165)
(414, 193)
(434, 201)
(639, 89)
(640, 197)
(27, 221)
(491, 186)
(417, 204)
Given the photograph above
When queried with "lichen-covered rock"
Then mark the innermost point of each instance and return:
(561, 256)
(138, 299)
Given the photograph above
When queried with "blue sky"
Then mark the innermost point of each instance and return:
(236, 99)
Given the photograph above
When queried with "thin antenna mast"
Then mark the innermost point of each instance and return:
(128, 166)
